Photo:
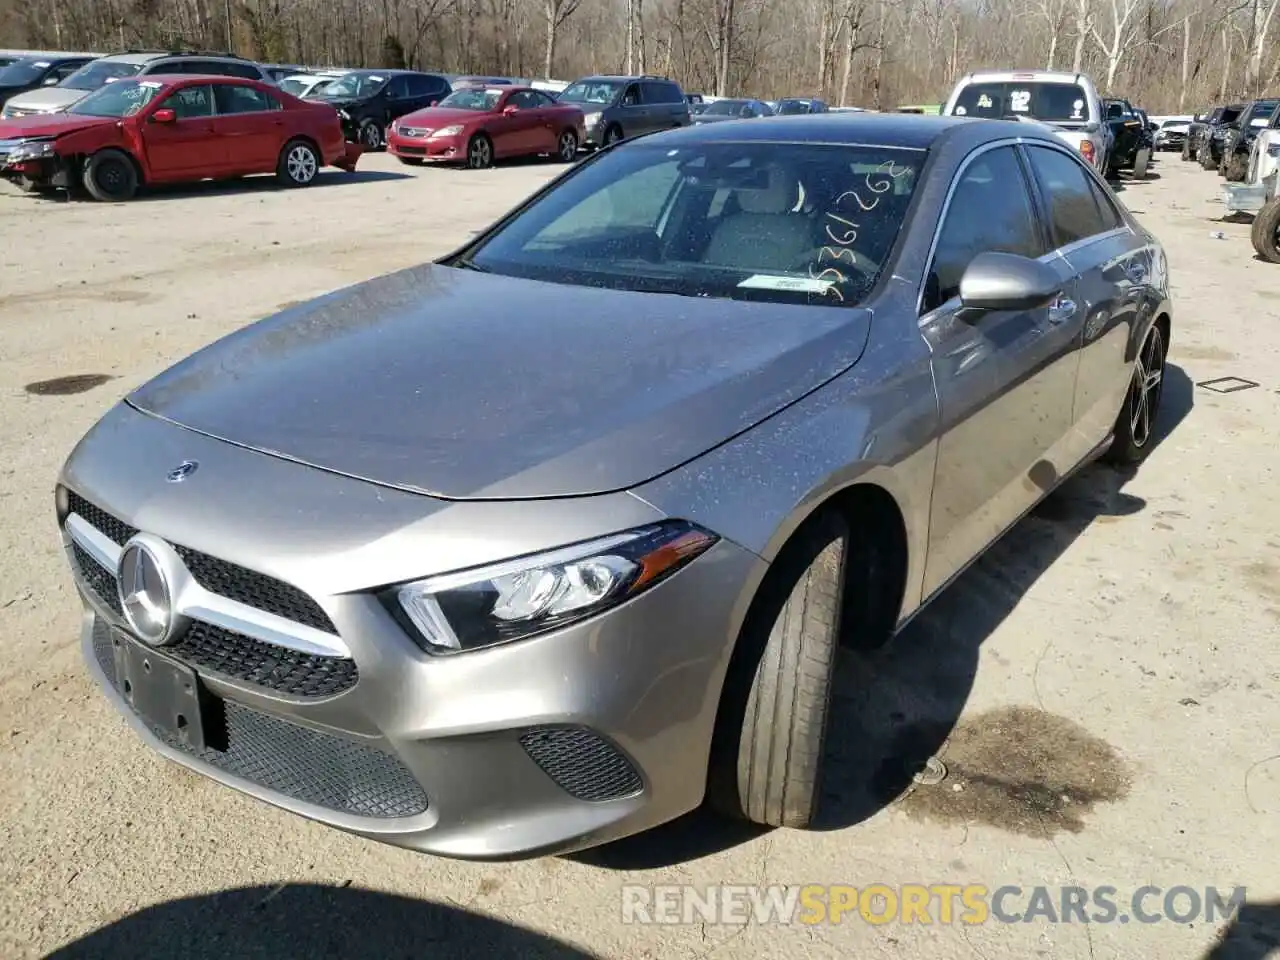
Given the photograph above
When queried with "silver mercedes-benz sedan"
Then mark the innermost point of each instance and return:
(547, 542)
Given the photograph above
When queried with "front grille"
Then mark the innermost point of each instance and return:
(97, 578)
(286, 671)
(414, 132)
(219, 576)
(581, 763)
(296, 761)
(216, 650)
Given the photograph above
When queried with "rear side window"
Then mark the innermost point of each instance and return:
(423, 86)
(248, 71)
(990, 211)
(657, 91)
(1039, 100)
(232, 98)
(1073, 210)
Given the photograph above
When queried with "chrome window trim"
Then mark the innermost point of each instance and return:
(194, 601)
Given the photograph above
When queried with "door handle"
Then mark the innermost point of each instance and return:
(1061, 310)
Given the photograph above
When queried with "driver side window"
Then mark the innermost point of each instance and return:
(990, 210)
(190, 102)
(632, 97)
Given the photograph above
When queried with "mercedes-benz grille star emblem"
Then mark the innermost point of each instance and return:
(183, 470)
(144, 593)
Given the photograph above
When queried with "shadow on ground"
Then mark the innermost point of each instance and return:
(265, 183)
(1254, 934)
(895, 708)
(312, 922)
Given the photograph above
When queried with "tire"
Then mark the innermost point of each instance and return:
(1135, 425)
(372, 136)
(1236, 168)
(1141, 161)
(1266, 231)
(299, 164)
(110, 176)
(567, 147)
(411, 161)
(479, 152)
(612, 135)
(1206, 157)
(766, 757)
(1186, 150)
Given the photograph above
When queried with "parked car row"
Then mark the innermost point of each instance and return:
(1241, 141)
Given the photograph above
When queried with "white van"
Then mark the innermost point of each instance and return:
(1066, 102)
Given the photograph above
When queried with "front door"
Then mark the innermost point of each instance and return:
(996, 411)
(186, 148)
(249, 124)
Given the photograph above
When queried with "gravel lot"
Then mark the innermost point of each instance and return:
(1112, 668)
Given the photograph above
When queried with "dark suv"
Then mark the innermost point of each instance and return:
(1237, 139)
(620, 107)
(30, 73)
(368, 100)
(1209, 145)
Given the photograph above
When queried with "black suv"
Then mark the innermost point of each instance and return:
(368, 100)
(1238, 137)
(1132, 142)
(792, 105)
(1209, 145)
(620, 107)
(29, 73)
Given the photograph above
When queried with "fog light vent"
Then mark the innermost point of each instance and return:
(581, 763)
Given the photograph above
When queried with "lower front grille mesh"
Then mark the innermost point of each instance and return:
(296, 761)
(583, 764)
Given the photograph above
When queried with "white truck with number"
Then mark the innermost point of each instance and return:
(1066, 102)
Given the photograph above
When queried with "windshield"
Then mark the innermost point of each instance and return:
(297, 85)
(781, 222)
(123, 98)
(1039, 100)
(788, 107)
(472, 99)
(99, 73)
(590, 91)
(22, 72)
(354, 85)
(1261, 112)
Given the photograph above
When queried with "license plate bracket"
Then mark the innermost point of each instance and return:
(163, 691)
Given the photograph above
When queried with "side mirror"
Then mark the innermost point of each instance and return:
(51, 81)
(509, 109)
(1006, 281)
(164, 115)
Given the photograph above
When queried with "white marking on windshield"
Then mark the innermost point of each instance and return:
(766, 281)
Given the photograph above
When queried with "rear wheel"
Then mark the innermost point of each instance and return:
(1136, 423)
(1140, 163)
(1206, 157)
(110, 176)
(1266, 231)
(1186, 150)
(767, 752)
(371, 135)
(298, 165)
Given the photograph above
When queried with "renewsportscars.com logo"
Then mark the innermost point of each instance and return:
(937, 903)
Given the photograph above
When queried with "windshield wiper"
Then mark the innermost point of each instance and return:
(465, 263)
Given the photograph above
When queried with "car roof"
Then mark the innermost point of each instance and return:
(162, 77)
(913, 131)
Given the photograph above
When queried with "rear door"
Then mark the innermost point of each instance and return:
(999, 415)
(250, 126)
(633, 113)
(189, 147)
(1111, 267)
(397, 97)
(534, 126)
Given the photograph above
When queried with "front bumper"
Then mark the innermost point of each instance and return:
(49, 171)
(434, 149)
(555, 743)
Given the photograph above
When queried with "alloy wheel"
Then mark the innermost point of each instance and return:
(568, 146)
(479, 153)
(302, 164)
(371, 136)
(1145, 390)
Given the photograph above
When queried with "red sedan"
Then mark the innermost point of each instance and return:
(172, 129)
(476, 126)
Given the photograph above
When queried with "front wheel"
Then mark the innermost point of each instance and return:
(479, 152)
(1186, 150)
(1206, 158)
(1236, 168)
(567, 148)
(110, 176)
(1266, 231)
(612, 135)
(298, 165)
(766, 755)
(371, 135)
(1136, 423)
(1140, 163)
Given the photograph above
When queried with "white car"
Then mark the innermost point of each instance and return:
(309, 84)
(1171, 132)
(1067, 102)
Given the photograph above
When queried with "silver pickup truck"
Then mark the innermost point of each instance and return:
(1067, 102)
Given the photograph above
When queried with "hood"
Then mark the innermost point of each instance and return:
(48, 125)
(435, 117)
(47, 99)
(465, 385)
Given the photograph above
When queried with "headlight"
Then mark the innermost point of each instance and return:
(516, 599)
(591, 119)
(446, 131)
(30, 150)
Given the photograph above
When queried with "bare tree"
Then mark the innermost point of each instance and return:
(556, 13)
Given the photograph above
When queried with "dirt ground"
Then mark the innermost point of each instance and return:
(1109, 675)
